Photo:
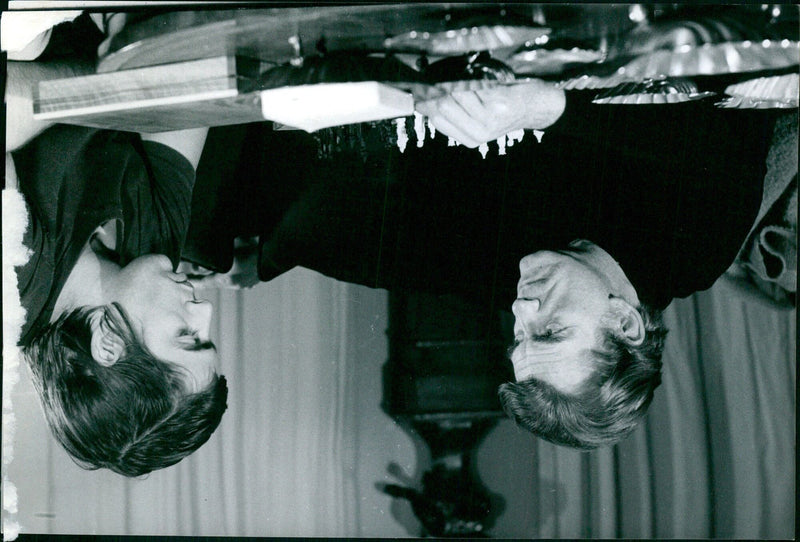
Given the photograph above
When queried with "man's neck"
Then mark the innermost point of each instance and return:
(88, 284)
(621, 285)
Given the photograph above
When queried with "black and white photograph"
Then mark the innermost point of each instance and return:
(400, 270)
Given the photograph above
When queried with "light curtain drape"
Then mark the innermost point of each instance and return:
(303, 357)
(304, 442)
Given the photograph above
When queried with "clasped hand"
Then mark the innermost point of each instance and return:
(473, 117)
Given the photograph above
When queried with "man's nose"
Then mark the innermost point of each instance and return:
(200, 313)
(525, 308)
(526, 263)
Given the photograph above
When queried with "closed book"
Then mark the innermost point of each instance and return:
(323, 105)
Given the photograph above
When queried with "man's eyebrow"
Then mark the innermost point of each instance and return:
(548, 338)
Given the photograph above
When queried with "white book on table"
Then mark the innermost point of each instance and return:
(323, 105)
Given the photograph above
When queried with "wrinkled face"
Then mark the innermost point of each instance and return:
(560, 308)
(167, 318)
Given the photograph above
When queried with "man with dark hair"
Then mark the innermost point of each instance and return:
(116, 340)
(134, 416)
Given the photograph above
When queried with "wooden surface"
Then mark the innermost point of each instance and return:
(236, 109)
(207, 92)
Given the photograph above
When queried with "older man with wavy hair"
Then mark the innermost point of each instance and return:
(665, 195)
(589, 376)
(587, 235)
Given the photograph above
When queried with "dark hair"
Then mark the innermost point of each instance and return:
(132, 417)
(609, 404)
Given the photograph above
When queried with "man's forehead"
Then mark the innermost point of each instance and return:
(572, 350)
(565, 371)
(540, 353)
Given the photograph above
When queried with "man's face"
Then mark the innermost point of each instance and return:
(166, 317)
(561, 302)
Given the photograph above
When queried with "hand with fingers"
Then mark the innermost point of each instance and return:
(474, 117)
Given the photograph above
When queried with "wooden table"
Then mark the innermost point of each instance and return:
(588, 46)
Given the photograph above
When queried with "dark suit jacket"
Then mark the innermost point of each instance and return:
(669, 190)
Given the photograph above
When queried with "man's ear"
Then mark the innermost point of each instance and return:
(107, 346)
(626, 321)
